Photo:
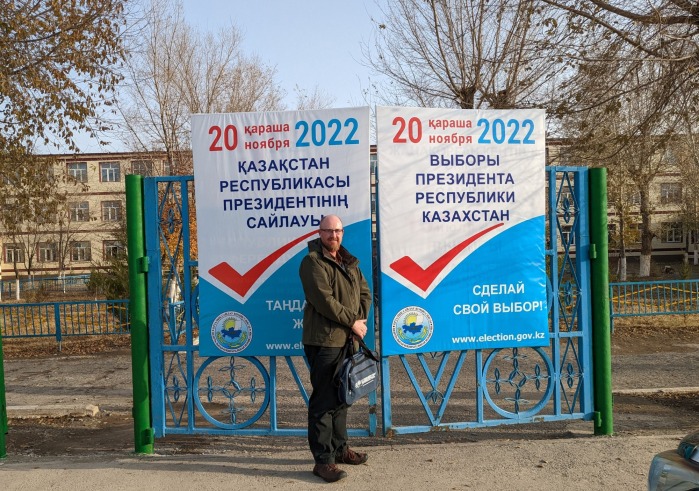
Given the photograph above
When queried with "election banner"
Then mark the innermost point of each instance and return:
(263, 181)
(461, 205)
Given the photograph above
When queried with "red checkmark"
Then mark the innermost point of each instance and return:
(423, 278)
(241, 284)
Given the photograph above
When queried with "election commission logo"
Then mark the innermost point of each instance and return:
(412, 327)
(231, 332)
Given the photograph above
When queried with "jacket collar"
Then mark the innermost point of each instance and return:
(316, 246)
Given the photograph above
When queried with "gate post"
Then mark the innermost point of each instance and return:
(601, 331)
(3, 406)
(138, 266)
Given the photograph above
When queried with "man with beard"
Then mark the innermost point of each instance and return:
(337, 305)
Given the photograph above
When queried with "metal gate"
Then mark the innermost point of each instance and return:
(239, 395)
(478, 388)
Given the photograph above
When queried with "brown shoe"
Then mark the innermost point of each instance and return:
(351, 457)
(329, 472)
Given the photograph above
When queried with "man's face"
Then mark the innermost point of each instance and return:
(331, 233)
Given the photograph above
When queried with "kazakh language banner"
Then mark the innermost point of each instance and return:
(263, 182)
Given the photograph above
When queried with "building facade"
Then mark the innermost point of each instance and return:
(89, 229)
(671, 202)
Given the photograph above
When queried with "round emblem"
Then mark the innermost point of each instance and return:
(231, 332)
(412, 327)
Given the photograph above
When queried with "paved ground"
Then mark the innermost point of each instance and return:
(574, 463)
(76, 451)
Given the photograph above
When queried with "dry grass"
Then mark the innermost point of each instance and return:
(22, 348)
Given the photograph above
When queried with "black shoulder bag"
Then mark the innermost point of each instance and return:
(358, 373)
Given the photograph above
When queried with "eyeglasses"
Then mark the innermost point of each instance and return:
(337, 231)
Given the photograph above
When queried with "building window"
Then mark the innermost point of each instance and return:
(110, 171)
(10, 180)
(671, 232)
(45, 214)
(80, 251)
(633, 232)
(78, 171)
(113, 249)
(79, 211)
(47, 252)
(169, 167)
(671, 157)
(612, 235)
(14, 254)
(142, 167)
(670, 193)
(567, 235)
(566, 197)
(111, 211)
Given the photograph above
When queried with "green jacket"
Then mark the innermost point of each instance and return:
(335, 298)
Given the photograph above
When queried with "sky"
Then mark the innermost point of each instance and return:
(309, 42)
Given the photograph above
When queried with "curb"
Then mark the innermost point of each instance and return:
(664, 390)
(52, 411)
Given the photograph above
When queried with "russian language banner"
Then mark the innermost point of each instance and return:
(263, 182)
(461, 200)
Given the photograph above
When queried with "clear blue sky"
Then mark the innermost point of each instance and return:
(310, 42)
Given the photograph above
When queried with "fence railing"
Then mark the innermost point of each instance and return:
(64, 319)
(643, 298)
(94, 317)
(12, 288)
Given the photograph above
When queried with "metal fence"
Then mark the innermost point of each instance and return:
(64, 319)
(76, 283)
(80, 318)
(643, 298)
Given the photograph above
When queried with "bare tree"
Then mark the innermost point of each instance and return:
(66, 235)
(316, 99)
(662, 30)
(475, 54)
(34, 191)
(685, 148)
(629, 134)
(33, 235)
(175, 71)
(660, 38)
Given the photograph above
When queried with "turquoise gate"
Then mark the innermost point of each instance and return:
(479, 388)
(267, 395)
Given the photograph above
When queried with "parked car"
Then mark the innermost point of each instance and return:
(676, 470)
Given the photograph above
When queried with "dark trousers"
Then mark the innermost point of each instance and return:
(327, 416)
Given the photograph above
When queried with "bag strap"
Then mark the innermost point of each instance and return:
(345, 349)
(368, 351)
(362, 345)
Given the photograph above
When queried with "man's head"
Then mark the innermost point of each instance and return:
(331, 233)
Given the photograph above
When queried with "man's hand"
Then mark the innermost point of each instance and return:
(359, 328)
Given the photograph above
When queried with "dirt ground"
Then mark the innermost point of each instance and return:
(647, 355)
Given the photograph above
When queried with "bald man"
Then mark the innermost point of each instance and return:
(337, 305)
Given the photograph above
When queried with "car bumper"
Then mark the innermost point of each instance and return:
(669, 471)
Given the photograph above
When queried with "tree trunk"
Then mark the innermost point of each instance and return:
(622, 249)
(646, 233)
(622, 268)
(644, 268)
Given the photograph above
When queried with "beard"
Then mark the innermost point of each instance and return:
(331, 246)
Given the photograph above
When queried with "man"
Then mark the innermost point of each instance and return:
(337, 306)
